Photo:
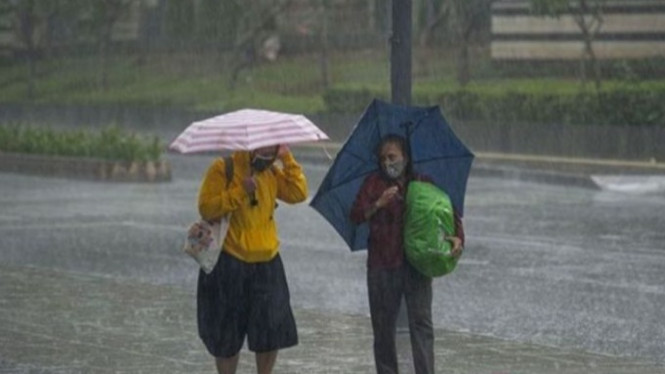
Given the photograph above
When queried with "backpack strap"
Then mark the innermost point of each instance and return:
(228, 166)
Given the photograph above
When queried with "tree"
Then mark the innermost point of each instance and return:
(460, 21)
(102, 16)
(588, 15)
(33, 27)
(30, 20)
(26, 29)
(467, 17)
(216, 22)
(179, 22)
(432, 13)
(323, 33)
(257, 21)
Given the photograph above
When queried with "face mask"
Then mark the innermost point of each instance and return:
(394, 169)
(261, 163)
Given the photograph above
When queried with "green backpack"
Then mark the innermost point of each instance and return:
(429, 219)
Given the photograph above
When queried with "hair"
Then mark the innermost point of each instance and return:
(403, 145)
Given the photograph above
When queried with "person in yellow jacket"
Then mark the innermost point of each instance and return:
(246, 294)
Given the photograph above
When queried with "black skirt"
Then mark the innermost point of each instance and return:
(239, 299)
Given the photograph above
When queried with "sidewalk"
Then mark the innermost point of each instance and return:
(55, 322)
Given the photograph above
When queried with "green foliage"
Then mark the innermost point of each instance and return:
(530, 102)
(217, 22)
(179, 21)
(350, 100)
(111, 143)
(289, 85)
(292, 84)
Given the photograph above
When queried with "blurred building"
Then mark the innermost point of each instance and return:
(630, 29)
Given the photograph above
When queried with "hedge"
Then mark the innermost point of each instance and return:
(110, 143)
(615, 106)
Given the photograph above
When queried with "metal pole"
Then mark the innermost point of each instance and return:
(400, 85)
(400, 52)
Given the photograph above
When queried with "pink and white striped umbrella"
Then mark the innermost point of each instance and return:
(246, 129)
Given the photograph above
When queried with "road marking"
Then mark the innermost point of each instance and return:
(569, 160)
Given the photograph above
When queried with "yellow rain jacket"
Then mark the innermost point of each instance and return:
(252, 235)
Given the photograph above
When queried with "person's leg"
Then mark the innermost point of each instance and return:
(265, 361)
(418, 295)
(271, 324)
(222, 311)
(385, 292)
(227, 365)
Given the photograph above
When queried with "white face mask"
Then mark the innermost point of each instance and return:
(394, 169)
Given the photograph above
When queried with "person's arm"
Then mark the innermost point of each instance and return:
(457, 240)
(215, 200)
(371, 210)
(364, 206)
(459, 228)
(291, 180)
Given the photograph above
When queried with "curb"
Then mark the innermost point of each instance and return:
(85, 168)
(538, 176)
(568, 171)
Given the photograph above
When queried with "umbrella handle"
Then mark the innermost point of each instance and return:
(252, 196)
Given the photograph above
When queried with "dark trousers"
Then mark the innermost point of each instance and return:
(386, 288)
(239, 299)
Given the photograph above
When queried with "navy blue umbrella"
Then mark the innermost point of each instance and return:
(435, 151)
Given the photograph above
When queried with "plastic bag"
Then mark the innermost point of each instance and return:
(204, 242)
(429, 220)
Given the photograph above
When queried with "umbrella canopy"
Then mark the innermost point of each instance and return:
(435, 151)
(246, 129)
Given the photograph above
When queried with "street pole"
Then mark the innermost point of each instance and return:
(400, 86)
(400, 52)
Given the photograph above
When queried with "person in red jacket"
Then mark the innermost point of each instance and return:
(381, 203)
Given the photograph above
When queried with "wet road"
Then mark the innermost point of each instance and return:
(544, 264)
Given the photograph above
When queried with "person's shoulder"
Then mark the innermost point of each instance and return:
(374, 181)
(373, 177)
(235, 157)
(239, 155)
(219, 163)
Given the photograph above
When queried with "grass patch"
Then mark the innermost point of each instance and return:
(291, 84)
(110, 143)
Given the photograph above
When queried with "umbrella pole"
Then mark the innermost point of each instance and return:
(409, 128)
(400, 52)
(252, 196)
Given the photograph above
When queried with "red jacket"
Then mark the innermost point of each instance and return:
(386, 239)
